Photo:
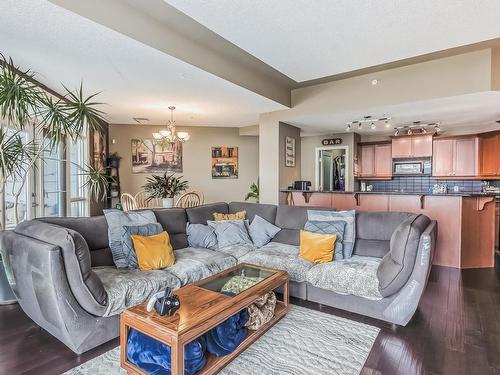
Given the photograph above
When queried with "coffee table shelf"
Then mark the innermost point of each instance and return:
(201, 310)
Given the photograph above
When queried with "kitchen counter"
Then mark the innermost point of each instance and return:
(466, 221)
(449, 194)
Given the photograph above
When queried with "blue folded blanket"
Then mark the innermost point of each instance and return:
(224, 338)
(153, 356)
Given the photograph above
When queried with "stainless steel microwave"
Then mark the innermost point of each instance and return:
(412, 167)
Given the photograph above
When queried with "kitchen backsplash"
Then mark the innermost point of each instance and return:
(422, 184)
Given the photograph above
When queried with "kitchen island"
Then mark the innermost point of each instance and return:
(466, 221)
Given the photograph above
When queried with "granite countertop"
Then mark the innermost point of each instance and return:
(450, 194)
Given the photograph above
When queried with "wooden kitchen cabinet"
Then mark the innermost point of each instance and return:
(455, 157)
(414, 146)
(489, 156)
(376, 160)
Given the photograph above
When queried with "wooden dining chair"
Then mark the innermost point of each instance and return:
(190, 199)
(141, 199)
(128, 202)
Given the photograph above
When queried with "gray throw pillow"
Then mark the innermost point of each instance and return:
(128, 245)
(230, 232)
(117, 219)
(350, 225)
(201, 235)
(262, 231)
(330, 227)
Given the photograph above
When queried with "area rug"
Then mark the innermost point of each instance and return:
(304, 342)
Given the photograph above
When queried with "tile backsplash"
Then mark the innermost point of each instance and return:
(423, 184)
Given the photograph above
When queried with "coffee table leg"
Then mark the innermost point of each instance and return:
(285, 293)
(177, 358)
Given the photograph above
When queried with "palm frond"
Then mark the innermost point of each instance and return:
(254, 192)
(82, 111)
(15, 155)
(96, 181)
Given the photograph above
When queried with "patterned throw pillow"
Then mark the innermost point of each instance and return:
(241, 215)
(262, 231)
(350, 225)
(230, 232)
(117, 219)
(128, 246)
(330, 227)
(201, 235)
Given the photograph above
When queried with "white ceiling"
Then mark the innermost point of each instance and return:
(135, 80)
(473, 112)
(309, 39)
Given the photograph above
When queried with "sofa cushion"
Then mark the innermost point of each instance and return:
(201, 235)
(397, 265)
(349, 217)
(128, 246)
(84, 283)
(265, 211)
(237, 251)
(330, 227)
(126, 288)
(262, 231)
(193, 264)
(117, 219)
(353, 276)
(280, 256)
(230, 232)
(201, 214)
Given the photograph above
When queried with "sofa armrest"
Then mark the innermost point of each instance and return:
(36, 272)
(405, 302)
(84, 283)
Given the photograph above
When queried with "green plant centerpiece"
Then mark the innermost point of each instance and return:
(254, 192)
(164, 187)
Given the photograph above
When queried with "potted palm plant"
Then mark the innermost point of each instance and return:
(254, 192)
(164, 187)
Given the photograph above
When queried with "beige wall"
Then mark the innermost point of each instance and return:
(196, 159)
(308, 160)
(289, 174)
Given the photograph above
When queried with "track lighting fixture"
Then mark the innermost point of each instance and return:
(387, 124)
(437, 128)
(373, 126)
(360, 125)
(416, 127)
(368, 120)
(348, 128)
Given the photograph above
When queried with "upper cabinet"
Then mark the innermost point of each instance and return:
(375, 160)
(489, 156)
(455, 157)
(416, 146)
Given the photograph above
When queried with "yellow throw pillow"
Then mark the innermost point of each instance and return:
(241, 215)
(317, 247)
(153, 252)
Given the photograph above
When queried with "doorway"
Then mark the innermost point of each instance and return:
(332, 166)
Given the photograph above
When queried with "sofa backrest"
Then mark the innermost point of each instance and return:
(374, 231)
(174, 221)
(94, 231)
(265, 211)
(200, 214)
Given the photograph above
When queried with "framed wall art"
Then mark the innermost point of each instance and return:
(155, 156)
(224, 162)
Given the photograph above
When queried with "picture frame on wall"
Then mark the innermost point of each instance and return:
(224, 162)
(154, 156)
(289, 152)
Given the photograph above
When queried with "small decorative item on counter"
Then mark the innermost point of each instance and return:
(369, 188)
(439, 189)
(363, 186)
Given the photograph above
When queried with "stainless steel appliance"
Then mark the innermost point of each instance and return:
(301, 185)
(412, 167)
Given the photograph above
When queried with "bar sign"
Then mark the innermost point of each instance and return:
(331, 141)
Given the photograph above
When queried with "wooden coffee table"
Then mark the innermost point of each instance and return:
(202, 308)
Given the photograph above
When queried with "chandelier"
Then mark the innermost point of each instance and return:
(169, 135)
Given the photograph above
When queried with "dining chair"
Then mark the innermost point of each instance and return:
(128, 202)
(190, 199)
(142, 201)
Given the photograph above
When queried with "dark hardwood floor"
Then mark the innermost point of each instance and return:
(455, 331)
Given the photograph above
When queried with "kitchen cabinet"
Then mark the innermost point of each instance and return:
(489, 156)
(376, 161)
(455, 157)
(415, 146)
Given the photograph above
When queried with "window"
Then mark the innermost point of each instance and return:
(53, 182)
(78, 201)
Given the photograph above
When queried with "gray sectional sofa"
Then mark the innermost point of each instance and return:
(62, 272)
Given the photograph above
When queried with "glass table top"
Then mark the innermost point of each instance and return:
(237, 281)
